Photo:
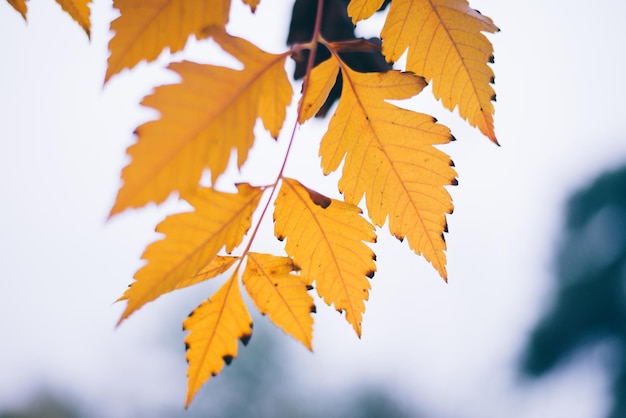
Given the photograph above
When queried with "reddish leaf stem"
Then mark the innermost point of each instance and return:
(305, 85)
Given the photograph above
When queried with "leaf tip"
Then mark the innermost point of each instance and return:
(228, 359)
(245, 338)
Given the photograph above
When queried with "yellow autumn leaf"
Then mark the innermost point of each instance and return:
(318, 89)
(192, 240)
(281, 295)
(79, 11)
(144, 28)
(210, 113)
(217, 266)
(390, 158)
(445, 45)
(253, 4)
(325, 239)
(215, 326)
(362, 9)
(20, 6)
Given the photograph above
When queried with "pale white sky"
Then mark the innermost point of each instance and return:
(559, 117)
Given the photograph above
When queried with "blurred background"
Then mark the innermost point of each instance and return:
(531, 323)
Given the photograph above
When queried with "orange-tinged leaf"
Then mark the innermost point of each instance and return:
(20, 6)
(321, 81)
(390, 157)
(362, 9)
(445, 45)
(270, 91)
(192, 240)
(325, 239)
(281, 295)
(145, 27)
(217, 266)
(210, 113)
(253, 4)
(79, 11)
(215, 326)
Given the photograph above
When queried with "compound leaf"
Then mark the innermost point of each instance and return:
(210, 113)
(215, 326)
(321, 81)
(391, 159)
(192, 241)
(144, 28)
(280, 294)
(325, 239)
(445, 45)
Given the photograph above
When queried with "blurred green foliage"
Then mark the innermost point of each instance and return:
(589, 306)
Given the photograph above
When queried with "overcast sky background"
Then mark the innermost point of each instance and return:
(451, 348)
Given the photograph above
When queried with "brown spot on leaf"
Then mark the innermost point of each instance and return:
(493, 98)
(228, 359)
(280, 237)
(186, 346)
(313, 309)
(454, 182)
(319, 199)
(492, 59)
(492, 80)
(370, 274)
(309, 287)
